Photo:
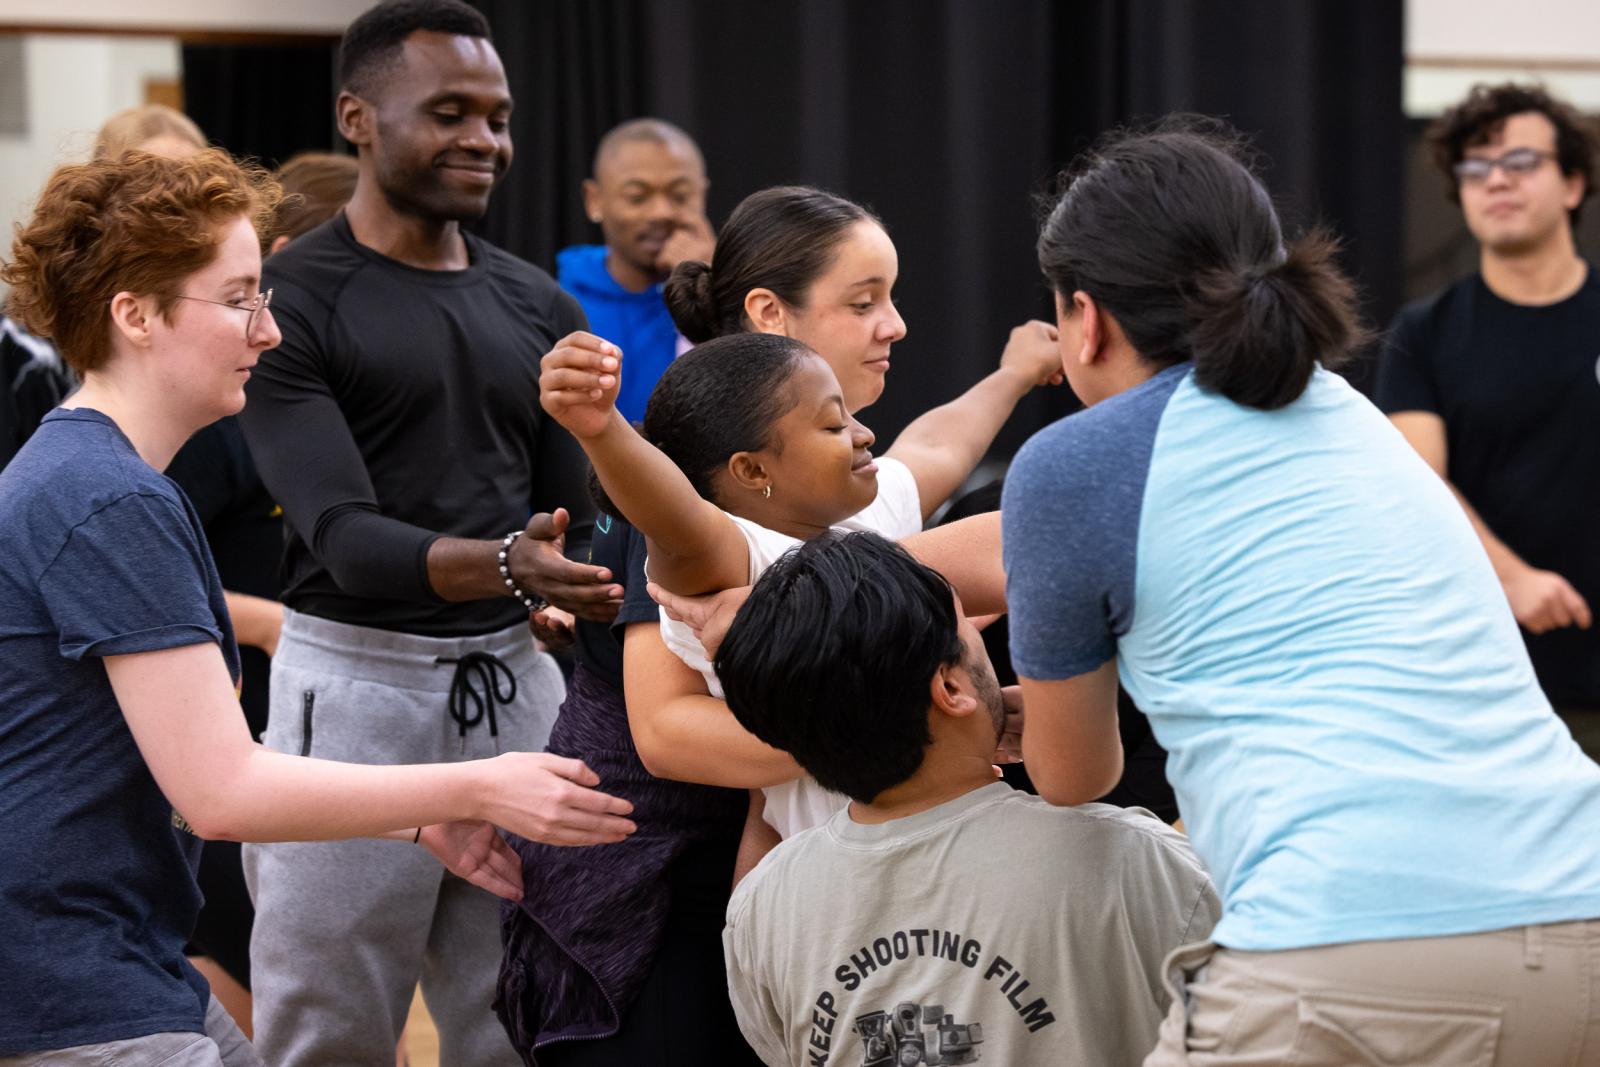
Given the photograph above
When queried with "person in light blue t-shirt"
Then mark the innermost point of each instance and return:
(648, 195)
(1406, 838)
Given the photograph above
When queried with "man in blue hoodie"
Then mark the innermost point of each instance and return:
(648, 194)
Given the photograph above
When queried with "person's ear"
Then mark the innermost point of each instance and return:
(1575, 190)
(355, 118)
(591, 200)
(131, 316)
(1093, 329)
(748, 472)
(278, 243)
(948, 695)
(767, 312)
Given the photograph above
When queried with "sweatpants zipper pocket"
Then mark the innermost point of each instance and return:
(306, 703)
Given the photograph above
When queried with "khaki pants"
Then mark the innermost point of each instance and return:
(1523, 997)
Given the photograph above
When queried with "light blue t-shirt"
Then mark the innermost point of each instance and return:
(1358, 744)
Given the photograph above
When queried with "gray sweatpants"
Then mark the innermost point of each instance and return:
(344, 930)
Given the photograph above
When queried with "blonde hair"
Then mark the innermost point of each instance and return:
(132, 128)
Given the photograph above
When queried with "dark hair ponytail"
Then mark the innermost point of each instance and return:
(1170, 232)
(781, 239)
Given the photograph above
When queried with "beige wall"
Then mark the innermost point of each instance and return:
(279, 16)
(74, 82)
(1451, 44)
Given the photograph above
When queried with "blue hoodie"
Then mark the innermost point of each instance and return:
(637, 323)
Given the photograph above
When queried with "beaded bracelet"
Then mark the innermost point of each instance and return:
(505, 572)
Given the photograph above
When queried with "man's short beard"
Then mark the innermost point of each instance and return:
(433, 203)
(987, 688)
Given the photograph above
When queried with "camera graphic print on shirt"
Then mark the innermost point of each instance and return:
(909, 1031)
(902, 1039)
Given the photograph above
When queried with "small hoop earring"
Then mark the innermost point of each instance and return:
(766, 492)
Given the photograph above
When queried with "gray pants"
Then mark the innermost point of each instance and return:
(222, 1045)
(345, 930)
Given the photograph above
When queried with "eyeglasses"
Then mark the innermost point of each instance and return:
(1517, 163)
(255, 308)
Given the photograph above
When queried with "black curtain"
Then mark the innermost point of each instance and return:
(947, 116)
(264, 101)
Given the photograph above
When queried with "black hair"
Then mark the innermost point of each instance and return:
(831, 657)
(720, 398)
(1169, 231)
(782, 239)
(371, 43)
(1484, 112)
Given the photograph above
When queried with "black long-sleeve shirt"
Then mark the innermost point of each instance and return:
(403, 406)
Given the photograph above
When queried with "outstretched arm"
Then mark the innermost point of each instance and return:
(180, 707)
(943, 446)
(694, 546)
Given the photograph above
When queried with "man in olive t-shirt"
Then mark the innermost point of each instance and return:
(943, 917)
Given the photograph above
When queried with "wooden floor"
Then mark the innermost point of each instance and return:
(422, 1040)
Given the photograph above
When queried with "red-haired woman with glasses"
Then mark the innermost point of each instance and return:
(121, 739)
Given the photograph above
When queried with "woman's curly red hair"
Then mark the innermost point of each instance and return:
(140, 223)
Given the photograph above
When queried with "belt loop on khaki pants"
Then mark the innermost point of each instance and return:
(1533, 947)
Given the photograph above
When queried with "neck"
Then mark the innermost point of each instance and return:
(1544, 275)
(429, 244)
(948, 771)
(761, 511)
(627, 275)
(155, 432)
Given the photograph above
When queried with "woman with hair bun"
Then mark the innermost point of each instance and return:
(1406, 838)
(816, 267)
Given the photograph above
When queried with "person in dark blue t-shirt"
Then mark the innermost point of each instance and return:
(122, 743)
(648, 195)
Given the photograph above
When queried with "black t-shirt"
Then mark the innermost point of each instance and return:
(244, 527)
(403, 406)
(1519, 390)
(621, 548)
(33, 379)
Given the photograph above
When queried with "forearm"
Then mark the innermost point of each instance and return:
(944, 445)
(262, 795)
(257, 621)
(460, 568)
(681, 731)
(758, 838)
(1505, 562)
(968, 554)
(697, 739)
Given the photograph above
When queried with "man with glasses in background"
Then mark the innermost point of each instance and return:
(1496, 380)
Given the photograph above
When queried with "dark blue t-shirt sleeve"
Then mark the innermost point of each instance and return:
(130, 578)
(1069, 520)
(1056, 569)
(1405, 366)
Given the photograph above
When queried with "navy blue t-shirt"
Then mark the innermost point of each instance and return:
(100, 555)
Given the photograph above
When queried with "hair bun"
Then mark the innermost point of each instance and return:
(689, 299)
(1259, 333)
